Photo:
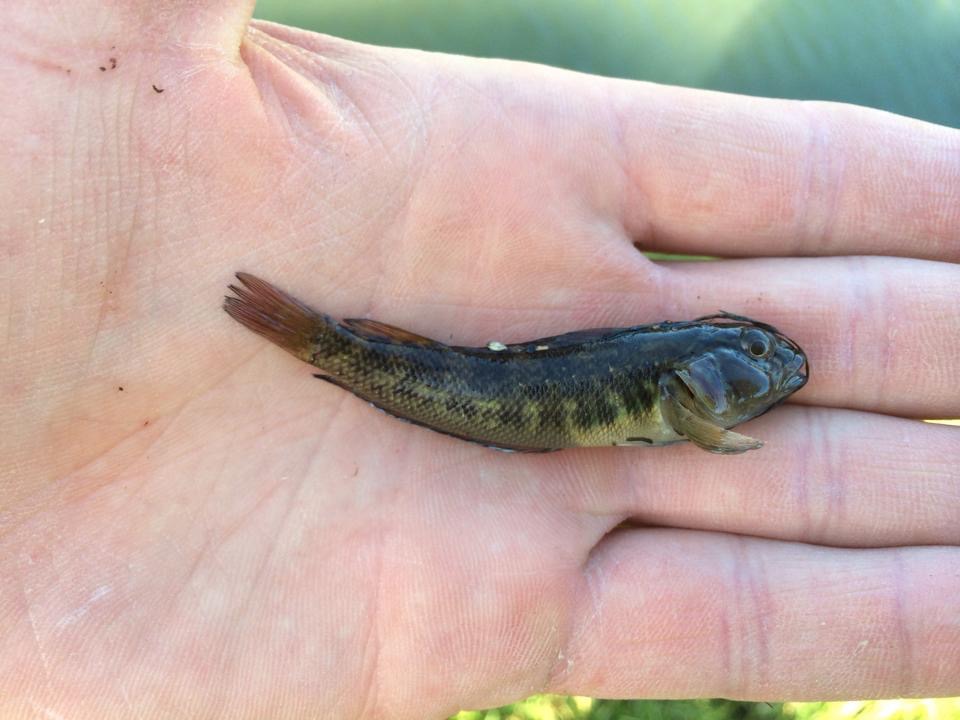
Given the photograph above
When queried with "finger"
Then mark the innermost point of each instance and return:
(689, 170)
(881, 334)
(830, 477)
(678, 613)
(705, 172)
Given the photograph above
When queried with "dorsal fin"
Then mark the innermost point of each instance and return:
(577, 337)
(382, 332)
(554, 342)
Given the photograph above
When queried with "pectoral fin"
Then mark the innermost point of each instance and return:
(699, 431)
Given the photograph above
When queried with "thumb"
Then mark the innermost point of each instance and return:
(62, 32)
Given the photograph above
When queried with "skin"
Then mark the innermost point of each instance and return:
(191, 525)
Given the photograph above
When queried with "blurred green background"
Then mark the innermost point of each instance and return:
(898, 55)
(548, 707)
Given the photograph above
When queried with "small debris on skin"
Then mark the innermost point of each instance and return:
(156, 89)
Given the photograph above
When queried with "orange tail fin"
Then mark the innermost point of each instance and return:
(279, 317)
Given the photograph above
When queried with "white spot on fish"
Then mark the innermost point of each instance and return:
(496, 346)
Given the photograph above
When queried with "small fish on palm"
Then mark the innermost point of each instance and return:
(652, 384)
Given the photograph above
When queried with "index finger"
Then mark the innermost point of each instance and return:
(718, 174)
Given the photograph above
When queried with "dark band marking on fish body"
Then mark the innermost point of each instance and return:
(593, 411)
(552, 415)
(638, 391)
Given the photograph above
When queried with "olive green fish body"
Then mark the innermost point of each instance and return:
(516, 398)
(618, 386)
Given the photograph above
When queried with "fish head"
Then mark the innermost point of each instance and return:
(739, 369)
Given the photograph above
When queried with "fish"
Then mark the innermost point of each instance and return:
(645, 385)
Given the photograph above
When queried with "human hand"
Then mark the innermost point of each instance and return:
(191, 525)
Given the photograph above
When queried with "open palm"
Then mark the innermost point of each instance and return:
(193, 526)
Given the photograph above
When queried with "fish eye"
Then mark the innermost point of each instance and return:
(756, 343)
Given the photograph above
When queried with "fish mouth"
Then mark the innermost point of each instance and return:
(796, 374)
